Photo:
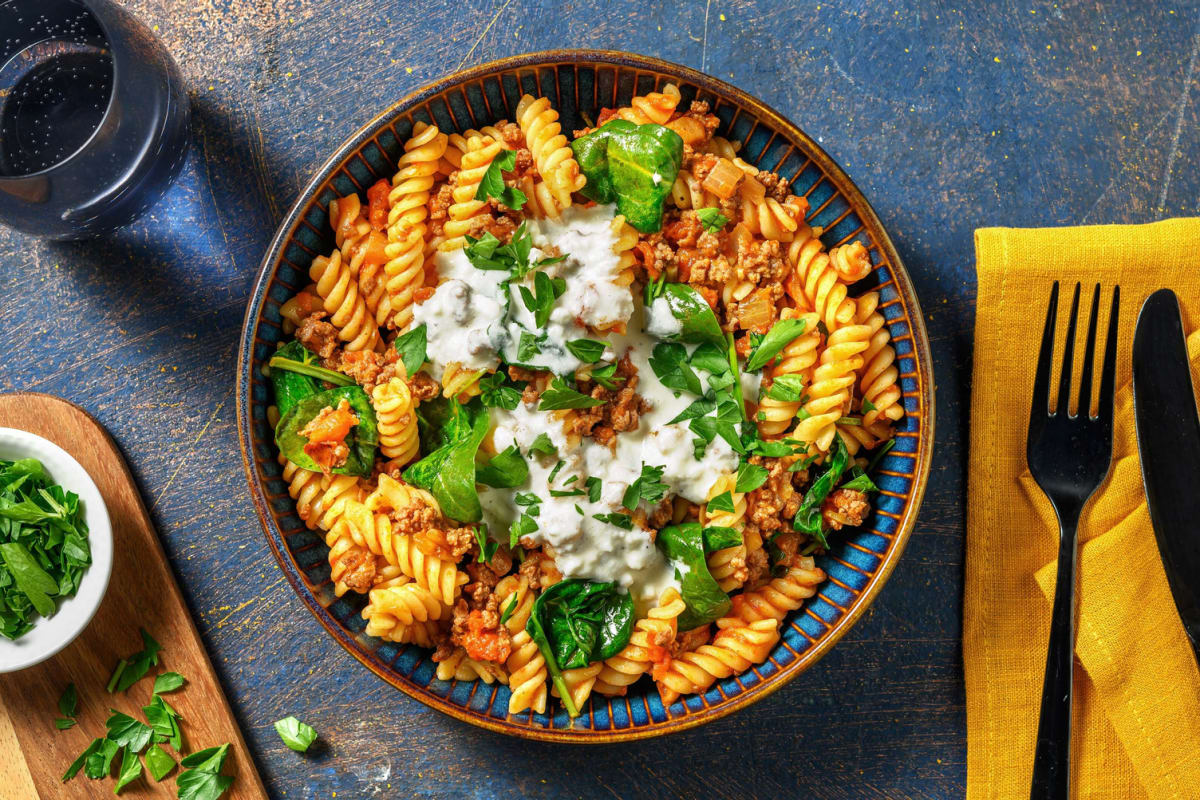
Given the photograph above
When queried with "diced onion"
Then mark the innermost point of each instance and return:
(723, 180)
(690, 129)
(757, 312)
(752, 190)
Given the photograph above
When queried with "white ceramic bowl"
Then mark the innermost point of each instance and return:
(49, 635)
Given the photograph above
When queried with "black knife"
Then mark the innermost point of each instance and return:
(1168, 433)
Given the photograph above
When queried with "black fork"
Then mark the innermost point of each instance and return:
(1069, 455)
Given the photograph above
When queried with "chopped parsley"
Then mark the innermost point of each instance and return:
(712, 219)
(492, 184)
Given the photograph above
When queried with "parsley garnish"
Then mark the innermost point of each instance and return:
(492, 184)
(786, 388)
(560, 396)
(620, 520)
(527, 347)
(780, 336)
(712, 219)
(868, 406)
(496, 393)
(670, 364)
(750, 477)
(295, 734)
(555, 471)
(542, 444)
(603, 376)
(522, 526)
(648, 487)
(487, 548)
(545, 291)
(510, 605)
(589, 351)
(722, 502)
(593, 489)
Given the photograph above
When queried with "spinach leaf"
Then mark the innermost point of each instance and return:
(670, 365)
(412, 346)
(560, 396)
(808, 518)
(719, 537)
(683, 545)
(711, 358)
(712, 219)
(632, 165)
(693, 311)
(362, 438)
(492, 183)
(506, 470)
(448, 473)
(584, 621)
(291, 386)
(780, 336)
(31, 580)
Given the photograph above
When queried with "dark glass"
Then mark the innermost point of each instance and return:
(93, 117)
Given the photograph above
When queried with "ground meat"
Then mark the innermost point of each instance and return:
(687, 641)
(662, 515)
(449, 544)
(319, 336)
(788, 543)
(775, 501)
(413, 519)
(365, 366)
(423, 387)
(760, 262)
(482, 584)
(845, 508)
(758, 567)
(501, 227)
(359, 569)
(539, 569)
(619, 412)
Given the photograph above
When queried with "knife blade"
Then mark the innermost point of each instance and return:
(1168, 434)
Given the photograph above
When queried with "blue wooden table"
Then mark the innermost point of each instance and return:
(949, 116)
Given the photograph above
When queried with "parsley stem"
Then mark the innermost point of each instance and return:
(737, 376)
(116, 676)
(311, 370)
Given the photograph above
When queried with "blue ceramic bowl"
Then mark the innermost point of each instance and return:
(580, 83)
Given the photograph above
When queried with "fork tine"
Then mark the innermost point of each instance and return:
(1041, 383)
(1085, 379)
(1068, 364)
(1108, 374)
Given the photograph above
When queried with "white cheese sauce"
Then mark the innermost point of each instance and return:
(472, 319)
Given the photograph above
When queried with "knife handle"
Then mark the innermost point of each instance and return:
(1052, 756)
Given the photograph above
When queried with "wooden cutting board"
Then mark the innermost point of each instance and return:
(142, 592)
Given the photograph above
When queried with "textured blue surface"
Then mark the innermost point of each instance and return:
(948, 117)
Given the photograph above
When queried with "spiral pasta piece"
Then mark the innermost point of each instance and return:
(832, 385)
(362, 248)
(851, 261)
(320, 499)
(728, 565)
(774, 600)
(814, 283)
(647, 644)
(300, 305)
(346, 307)
(461, 216)
(769, 218)
(656, 107)
(878, 382)
(408, 209)
(459, 382)
(396, 607)
(797, 358)
(514, 590)
(688, 192)
(551, 153)
(392, 495)
(527, 675)
(395, 412)
(579, 683)
(461, 667)
(374, 532)
(733, 649)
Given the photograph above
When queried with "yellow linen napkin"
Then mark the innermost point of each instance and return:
(1137, 689)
